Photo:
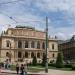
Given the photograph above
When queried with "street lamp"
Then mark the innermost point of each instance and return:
(46, 64)
(10, 53)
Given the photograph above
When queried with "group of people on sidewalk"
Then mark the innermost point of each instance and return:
(22, 70)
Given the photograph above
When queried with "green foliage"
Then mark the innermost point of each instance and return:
(44, 60)
(34, 61)
(12, 67)
(52, 64)
(59, 61)
(73, 67)
(68, 65)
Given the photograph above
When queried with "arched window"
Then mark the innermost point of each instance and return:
(32, 55)
(7, 43)
(7, 54)
(38, 55)
(32, 44)
(26, 44)
(43, 45)
(38, 45)
(19, 44)
(26, 54)
(19, 54)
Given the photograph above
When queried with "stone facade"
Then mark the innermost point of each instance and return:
(21, 44)
(68, 49)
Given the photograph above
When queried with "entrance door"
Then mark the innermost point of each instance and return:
(19, 54)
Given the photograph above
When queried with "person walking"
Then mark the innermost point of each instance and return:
(22, 69)
(25, 69)
(17, 68)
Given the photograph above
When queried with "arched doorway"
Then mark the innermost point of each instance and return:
(32, 55)
(19, 54)
(38, 55)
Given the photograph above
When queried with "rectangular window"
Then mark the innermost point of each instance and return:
(52, 46)
(8, 44)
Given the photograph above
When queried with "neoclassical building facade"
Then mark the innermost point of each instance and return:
(22, 43)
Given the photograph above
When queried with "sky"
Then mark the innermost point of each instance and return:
(60, 13)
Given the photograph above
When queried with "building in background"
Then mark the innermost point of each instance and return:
(68, 49)
(22, 43)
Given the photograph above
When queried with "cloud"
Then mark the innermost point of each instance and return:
(54, 5)
(61, 15)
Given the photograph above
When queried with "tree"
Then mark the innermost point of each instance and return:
(44, 60)
(34, 61)
(59, 61)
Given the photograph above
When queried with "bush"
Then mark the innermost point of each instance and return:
(59, 61)
(68, 65)
(34, 61)
(53, 65)
(73, 67)
(12, 67)
(44, 60)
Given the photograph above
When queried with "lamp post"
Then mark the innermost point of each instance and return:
(10, 53)
(46, 64)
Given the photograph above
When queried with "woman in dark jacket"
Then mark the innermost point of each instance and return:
(17, 68)
(22, 69)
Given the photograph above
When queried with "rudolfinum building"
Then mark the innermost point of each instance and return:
(22, 43)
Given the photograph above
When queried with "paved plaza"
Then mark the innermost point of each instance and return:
(7, 74)
(51, 72)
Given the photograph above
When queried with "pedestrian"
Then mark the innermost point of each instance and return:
(17, 68)
(22, 69)
(25, 69)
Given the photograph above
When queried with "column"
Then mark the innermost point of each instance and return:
(17, 44)
(36, 54)
(22, 54)
(29, 45)
(35, 44)
(41, 55)
(23, 44)
(29, 54)
(16, 55)
(40, 44)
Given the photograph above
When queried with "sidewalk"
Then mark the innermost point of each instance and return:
(14, 72)
(50, 72)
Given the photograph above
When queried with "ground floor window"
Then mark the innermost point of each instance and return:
(38, 55)
(19, 54)
(26, 54)
(32, 55)
(53, 55)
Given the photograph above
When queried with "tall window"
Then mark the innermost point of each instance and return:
(53, 55)
(26, 54)
(8, 43)
(19, 54)
(38, 45)
(43, 45)
(26, 44)
(52, 46)
(32, 55)
(32, 44)
(19, 44)
(38, 55)
(7, 54)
